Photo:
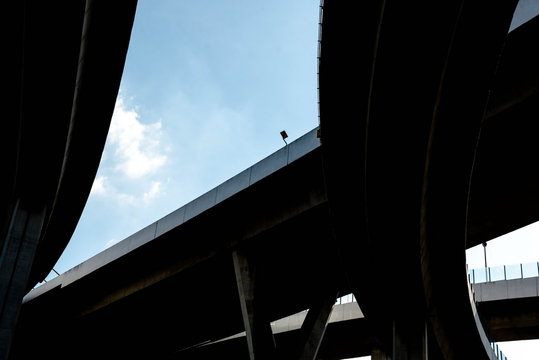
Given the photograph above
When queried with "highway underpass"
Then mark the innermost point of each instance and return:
(510, 311)
(291, 233)
(63, 62)
(415, 133)
(172, 285)
(184, 262)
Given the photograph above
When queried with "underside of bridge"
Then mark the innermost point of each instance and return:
(62, 67)
(435, 121)
(427, 127)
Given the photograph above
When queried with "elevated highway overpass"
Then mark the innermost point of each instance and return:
(509, 310)
(172, 285)
(184, 262)
(62, 65)
(289, 233)
(419, 135)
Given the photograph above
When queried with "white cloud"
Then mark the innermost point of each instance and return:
(99, 187)
(124, 198)
(137, 146)
(133, 152)
(104, 188)
(111, 242)
(154, 191)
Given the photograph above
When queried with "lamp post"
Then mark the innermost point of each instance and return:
(485, 252)
(487, 272)
(284, 136)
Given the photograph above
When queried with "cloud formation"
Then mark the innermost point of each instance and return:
(98, 187)
(132, 157)
(110, 243)
(137, 145)
(154, 191)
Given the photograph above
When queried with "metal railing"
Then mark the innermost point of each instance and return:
(351, 298)
(348, 298)
(499, 354)
(504, 272)
(499, 273)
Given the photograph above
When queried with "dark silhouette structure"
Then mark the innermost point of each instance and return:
(428, 124)
(63, 62)
(437, 92)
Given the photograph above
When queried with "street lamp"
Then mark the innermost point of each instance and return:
(284, 135)
(487, 271)
(485, 252)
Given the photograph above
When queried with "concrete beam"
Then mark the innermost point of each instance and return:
(101, 50)
(379, 354)
(314, 326)
(415, 174)
(16, 259)
(409, 340)
(260, 339)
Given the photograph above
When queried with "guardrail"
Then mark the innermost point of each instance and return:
(351, 298)
(504, 272)
(500, 273)
(499, 354)
(483, 275)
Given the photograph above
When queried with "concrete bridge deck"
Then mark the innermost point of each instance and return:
(175, 284)
(509, 310)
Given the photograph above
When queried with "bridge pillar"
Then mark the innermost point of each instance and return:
(409, 340)
(314, 326)
(260, 340)
(405, 338)
(379, 354)
(257, 326)
(19, 247)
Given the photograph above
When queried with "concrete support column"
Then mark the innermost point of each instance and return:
(257, 326)
(314, 326)
(379, 354)
(17, 256)
(409, 340)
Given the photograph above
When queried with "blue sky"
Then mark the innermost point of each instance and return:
(207, 88)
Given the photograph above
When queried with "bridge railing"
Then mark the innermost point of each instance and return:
(499, 354)
(351, 298)
(504, 272)
(348, 298)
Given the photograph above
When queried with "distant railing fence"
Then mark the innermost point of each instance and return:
(504, 272)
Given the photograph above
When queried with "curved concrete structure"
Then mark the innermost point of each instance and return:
(408, 125)
(387, 194)
(171, 286)
(154, 279)
(64, 64)
(509, 309)
(504, 194)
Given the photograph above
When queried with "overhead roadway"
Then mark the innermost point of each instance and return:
(504, 194)
(63, 62)
(416, 120)
(156, 278)
(509, 308)
(138, 297)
